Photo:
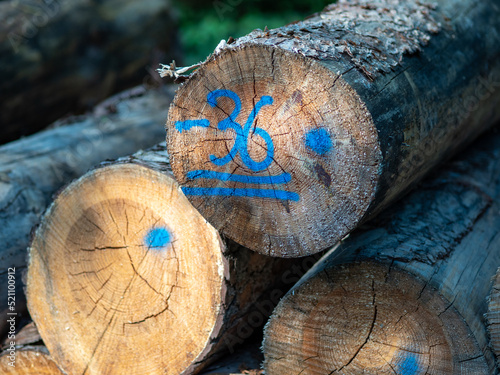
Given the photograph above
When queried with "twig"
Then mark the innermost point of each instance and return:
(173, 71)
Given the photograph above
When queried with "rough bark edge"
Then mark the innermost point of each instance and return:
(346, 30)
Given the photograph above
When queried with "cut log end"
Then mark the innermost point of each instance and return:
(263, 141)
(493, 318)
(116, 280)
(28, 362)
(368, 318)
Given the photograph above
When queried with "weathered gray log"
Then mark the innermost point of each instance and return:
(407, 295)
(493, 317)
(59, 57)
(146, 272)
(287, 139)
(34, 168)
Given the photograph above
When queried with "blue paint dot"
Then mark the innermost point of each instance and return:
(319, 141)
(157, 238)
(408, 365)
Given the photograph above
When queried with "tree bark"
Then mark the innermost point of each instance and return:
(34, 168)
(407, 295)
(29, 362)
(287, 139)
(61, 57)
(493, 318)
(123, 263)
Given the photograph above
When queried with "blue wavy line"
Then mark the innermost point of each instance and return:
(279, 179)
(230, 192)
(188, 124)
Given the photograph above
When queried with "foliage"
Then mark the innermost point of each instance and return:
(203, 24)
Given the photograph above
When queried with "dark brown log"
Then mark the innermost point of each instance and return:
(493, 318)
(34, 168)
(122, 263)
(287, 139)
(60, 57)
(407, 296)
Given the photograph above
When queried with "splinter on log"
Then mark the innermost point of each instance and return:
(123, 264)
(493, 318)
(408, 296)
(287, 139)
(28, 362)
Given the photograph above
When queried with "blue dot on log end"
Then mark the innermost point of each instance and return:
(408, 365)
(319, 141)
(157, 238)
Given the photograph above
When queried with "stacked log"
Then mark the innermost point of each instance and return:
(493, 317)
(288, 139)
(408, 295)
(34, 168)
(26, 335)
(62, 57)
(22, 354)
(122, 261)
(29, 362)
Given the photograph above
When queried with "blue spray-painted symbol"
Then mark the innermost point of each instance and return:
(409, 364)
(240, 147)
(319, 141)
(242, 133)
(157, 238)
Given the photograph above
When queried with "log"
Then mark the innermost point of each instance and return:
(21, 353)
(493, 318)
(61, 57)
(287, 139)
(29, 362)
(23, 336)
(34, 168)
(407, 295)
(123, 263)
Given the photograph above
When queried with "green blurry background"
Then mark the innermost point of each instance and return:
(203, 24)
